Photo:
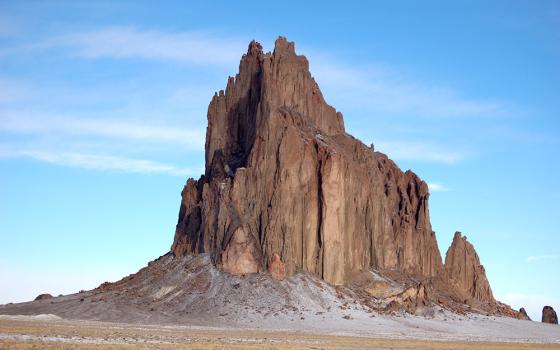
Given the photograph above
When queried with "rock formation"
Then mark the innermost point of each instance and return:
(283, 178)
(549, 315)
(44, 296)
(524, 315)
(465, 272)
(286, 189)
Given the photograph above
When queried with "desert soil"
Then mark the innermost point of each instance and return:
(47, 332)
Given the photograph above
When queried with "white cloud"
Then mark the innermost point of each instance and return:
(136, 130)
(435, 187)
(542, 257)
(380, 89)
(103, 162)
(130, 42)
(418, 151)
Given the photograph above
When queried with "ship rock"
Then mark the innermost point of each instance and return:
(294, 221)
(286, 189)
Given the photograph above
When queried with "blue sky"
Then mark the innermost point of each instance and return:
(103, 117)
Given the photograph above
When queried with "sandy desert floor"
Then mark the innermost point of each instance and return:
(44, 332)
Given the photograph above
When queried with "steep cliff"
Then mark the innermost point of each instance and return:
(283, 180)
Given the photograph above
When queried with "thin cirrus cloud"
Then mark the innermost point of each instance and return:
(103, 162)
(133, 130)
(419, 151)
(536, 258)
(381, 89)
(130, 42)
(436, 187)
(370, 88)
(376, 87)
(65, 151)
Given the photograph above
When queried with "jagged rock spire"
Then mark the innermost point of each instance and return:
(465, 271)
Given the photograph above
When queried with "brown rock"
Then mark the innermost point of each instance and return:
(282, 177)
(549, 315)
(44, 296)
(240, 256)
(524, 315)
(465, 272)
(276, 267)
(410, 299)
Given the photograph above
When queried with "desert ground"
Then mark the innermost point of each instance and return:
(51, 332)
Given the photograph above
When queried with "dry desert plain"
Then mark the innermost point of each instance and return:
(50, 332)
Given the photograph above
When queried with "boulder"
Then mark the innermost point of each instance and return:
(524, 315)
(549, 315)
(44, 296)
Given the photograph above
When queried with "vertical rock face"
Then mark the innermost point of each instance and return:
(465, 272)
(286, 188)
(549, 315)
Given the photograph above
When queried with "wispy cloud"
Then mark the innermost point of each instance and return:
(542, 257)
(435, 187)
(103, 162)
(381, 89)
(376, 89)
(14, 122)
(419, 151)
(131, 42)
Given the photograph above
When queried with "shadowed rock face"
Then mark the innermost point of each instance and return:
(549, 315)
(465, 271)
(283, 178)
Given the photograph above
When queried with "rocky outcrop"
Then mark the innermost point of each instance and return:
(284, 179)
(523, 314)
(465, 273)
(549, 315)
(44, 296)
(277, 268)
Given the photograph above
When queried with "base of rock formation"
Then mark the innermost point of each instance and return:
(191, 289)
